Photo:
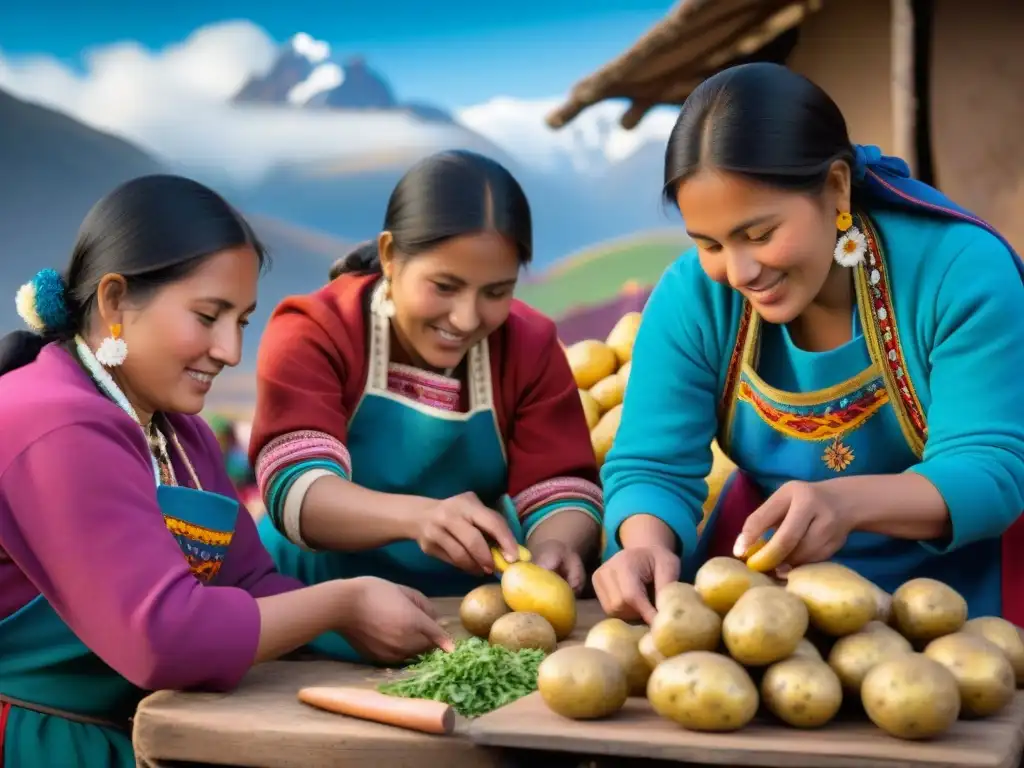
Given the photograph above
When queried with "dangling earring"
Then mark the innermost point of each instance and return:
(387, 306)
(113, 350)
(851, 246)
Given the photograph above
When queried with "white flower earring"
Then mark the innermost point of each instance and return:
(112, 350)
(852, 246)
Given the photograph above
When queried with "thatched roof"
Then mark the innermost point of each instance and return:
(696, 39)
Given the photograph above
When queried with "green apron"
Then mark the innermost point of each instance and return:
(402, 446)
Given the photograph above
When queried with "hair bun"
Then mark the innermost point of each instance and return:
(42, 302)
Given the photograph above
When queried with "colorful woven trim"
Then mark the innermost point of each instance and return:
(881, 329)
(296, 447)
(431, 389)
(826, 420)
(281, 483)
(539, 502)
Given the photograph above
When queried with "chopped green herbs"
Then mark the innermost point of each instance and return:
(475, 678)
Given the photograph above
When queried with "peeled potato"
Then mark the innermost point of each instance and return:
(590, 409)
(591, 361)
(603, 435)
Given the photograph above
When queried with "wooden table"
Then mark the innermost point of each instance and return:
(262, 724)
(849, 742)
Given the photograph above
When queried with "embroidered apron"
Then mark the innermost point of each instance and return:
(849, 428)
(402, 446)
(60, 704)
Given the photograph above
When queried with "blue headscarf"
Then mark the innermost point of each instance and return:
(887, 179)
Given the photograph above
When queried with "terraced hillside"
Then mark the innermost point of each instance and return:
(598, 275)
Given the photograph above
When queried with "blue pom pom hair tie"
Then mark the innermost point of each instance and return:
(42, 302)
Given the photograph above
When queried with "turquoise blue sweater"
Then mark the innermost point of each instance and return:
(959, 303)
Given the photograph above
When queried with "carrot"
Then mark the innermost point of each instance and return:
(414, 714)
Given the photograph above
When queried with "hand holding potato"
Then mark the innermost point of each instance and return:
(809, 524)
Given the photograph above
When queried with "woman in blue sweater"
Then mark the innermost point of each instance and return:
(853, 339)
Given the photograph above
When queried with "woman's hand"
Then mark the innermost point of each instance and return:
(622, 584)
(810, 526)
(459, 531)
(391, 623)
(554, 555)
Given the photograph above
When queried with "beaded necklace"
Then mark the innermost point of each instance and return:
(163, 469)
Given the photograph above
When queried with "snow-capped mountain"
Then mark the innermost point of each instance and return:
(307, 75)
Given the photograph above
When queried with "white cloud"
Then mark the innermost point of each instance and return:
(589, 143)
(174, 102)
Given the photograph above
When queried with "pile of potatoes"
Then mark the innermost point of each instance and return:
(601, 370)
(736, 641)
(531, 607)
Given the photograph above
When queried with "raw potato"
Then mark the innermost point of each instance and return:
(603, 435)
(765, 626)
(911, 697)
(1004, 635)
(675, 592)
(650, 651)
(582, 683)
(516, 631)
(883, 601)
(855, 655)
(801, 692)
(528, 588)
(624, 372)
(622, 641)
(924, 609)
(805, 649)
(591, 409)
(623, 335)
(481, 608)
(608, 392)
(839, 600)
(983, 673)
(686, 625)
(591, 361)
(721, 581)
(703, 691)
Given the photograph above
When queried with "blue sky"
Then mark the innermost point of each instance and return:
(450, 52)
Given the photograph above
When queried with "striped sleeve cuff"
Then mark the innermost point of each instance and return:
(286, 460)
(550, 497)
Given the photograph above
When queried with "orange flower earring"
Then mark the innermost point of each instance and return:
(112, 350)
(851, 246)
